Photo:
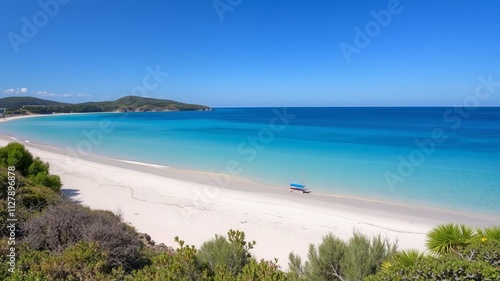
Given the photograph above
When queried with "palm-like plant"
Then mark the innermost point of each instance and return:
(489, 233)
(406, 258)
(446, 238)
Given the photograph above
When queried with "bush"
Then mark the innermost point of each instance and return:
(439, 268)
(15, 154)
(66, 224)
(447, 238)
(181, 265)
(232, 262)
(233, 253)
(335, 259)
(38, 166)
(30, 199)
(488, 233)
(82, 261)
(404, 258)
(460, 253)
(487, 251)
(261, 271)
(35, 198)
(4, 183)
(51, 181)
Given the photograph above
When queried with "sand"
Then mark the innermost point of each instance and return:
(166, 202)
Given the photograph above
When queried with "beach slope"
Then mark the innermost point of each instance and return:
(165, 202)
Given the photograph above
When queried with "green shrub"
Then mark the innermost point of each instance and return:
(186, 263)
(30, 199)
(232, 253)
(404, 258)
(460, 253)
(82, 261)
(447, 238)
(15, 154)
(261, 271)
(38, 166)
(51, 181)
(439, 268)
(181, 265)
(487, 251)
(35, 198)
(335, 259)
(488, 233)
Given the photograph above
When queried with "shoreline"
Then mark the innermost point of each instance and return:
(174, 172)
(166, 202)
(203, 177)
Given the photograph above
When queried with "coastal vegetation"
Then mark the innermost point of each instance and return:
(124, 104)
(19, 102)
(58, 239)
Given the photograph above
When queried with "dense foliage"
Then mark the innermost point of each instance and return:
(335, 259)
(459, 252)
(232, 253)
(14, 154)
(439, 268)
(60, 240)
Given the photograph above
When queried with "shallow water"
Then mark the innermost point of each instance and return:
(379, 153)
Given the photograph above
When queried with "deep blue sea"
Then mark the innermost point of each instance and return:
(442, 157)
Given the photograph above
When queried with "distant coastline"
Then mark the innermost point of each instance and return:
(31, 105)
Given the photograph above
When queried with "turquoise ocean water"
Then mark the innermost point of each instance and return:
(439, 157)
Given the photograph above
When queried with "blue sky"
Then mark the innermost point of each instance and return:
(251, 53)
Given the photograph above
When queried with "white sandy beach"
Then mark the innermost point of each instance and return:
(165, 203)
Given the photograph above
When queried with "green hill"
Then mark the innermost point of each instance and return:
(124, 104)
(135, 103)
(18, 102)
